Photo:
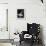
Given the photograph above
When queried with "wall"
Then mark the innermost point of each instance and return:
(3, 1)
(34, 12)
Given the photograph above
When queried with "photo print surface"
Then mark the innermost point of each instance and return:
(20, 13)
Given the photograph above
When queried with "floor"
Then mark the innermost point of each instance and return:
(5, 44)
(26, 44)
(23, 44)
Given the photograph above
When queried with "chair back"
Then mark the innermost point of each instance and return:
(33, 28)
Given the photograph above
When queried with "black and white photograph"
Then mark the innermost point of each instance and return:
(20, 13)
(22, 22)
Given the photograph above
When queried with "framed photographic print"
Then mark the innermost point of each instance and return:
(20, 13)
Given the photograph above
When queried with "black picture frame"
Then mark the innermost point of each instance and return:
(20, 13)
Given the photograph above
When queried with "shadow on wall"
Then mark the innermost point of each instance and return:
(41, 34)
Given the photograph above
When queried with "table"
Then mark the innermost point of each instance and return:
(16, 40)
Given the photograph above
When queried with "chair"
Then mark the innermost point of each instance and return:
(32, 29)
